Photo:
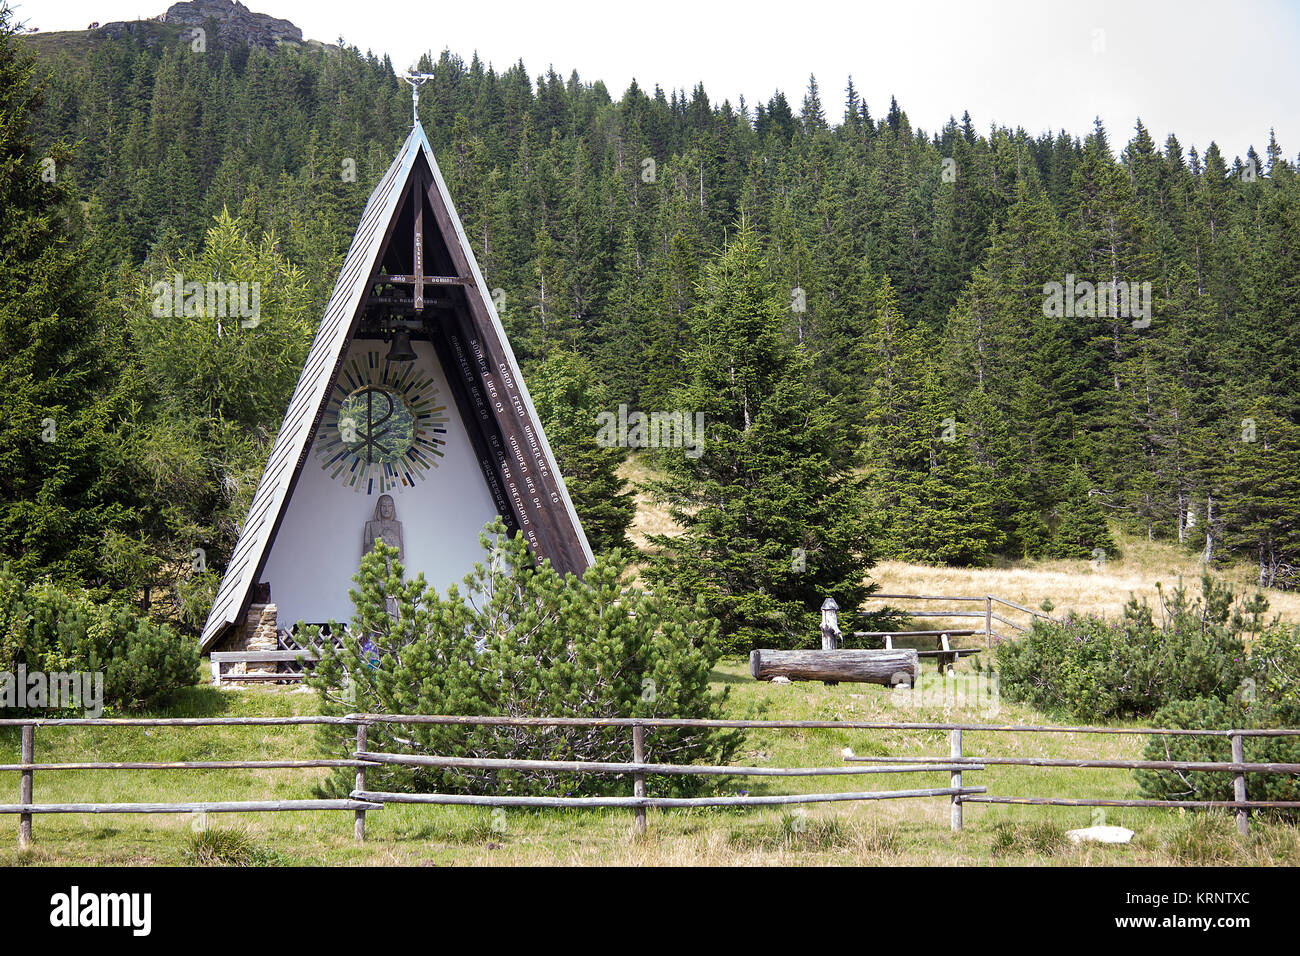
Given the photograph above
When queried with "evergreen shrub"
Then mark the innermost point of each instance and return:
(1098, 669)
(54, 629)
(521, 640)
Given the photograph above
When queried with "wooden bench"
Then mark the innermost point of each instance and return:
(947, 654)
(218, 658)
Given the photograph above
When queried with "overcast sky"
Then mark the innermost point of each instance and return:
(1203, 70)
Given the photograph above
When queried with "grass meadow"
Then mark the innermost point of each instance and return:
(894, 832)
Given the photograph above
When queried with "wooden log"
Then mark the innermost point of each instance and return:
(1189, 804)
(27, 754)
(699, 722)
(1190, 766)
(594, 766)
(183, 721)
(959, 632)
(241, 806)
(488, 800)
(945, 613)
(638, 779)
(888, 667)
(188, 765)
(1239, 785)
(923, 597)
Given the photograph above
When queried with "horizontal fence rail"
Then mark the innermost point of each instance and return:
(661, 802)
(1238, 767)
(28, 766)
(227, 806)
(592, 766)
(362, 799)
(639, 769)
(988, 614)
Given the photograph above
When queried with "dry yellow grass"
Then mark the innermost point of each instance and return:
(1086, 587)
(651, 516)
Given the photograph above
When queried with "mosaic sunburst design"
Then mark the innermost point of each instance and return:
(385, 425)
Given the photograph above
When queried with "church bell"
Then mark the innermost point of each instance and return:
(401, 349)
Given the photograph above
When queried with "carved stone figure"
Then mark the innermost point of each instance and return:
(384, 525)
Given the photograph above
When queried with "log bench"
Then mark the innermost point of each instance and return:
(889, 667)
(218, 658)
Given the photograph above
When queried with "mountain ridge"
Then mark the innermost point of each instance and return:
(227, 23)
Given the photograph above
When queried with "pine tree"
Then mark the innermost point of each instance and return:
(1259, 490)
(569, 401)
(1080, 526)
(771, 526)
(63, 489)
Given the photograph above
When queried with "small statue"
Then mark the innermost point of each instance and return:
(384, 525)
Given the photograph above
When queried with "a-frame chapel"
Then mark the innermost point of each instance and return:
(410, 422)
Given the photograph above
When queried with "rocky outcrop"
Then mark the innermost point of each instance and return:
(235, 24)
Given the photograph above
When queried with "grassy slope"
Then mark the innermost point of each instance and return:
(78, 43)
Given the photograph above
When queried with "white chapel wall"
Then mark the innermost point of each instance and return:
(318, 547)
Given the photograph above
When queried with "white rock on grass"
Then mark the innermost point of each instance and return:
(1100, 835)
(780, 680)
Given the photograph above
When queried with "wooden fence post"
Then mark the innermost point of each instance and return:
(1239, 785)
(988, 620)
(359, 823)
(830, 630)
(27, 754)
(638, 778)
(954, 750)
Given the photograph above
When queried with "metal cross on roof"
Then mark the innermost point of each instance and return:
(415, 79)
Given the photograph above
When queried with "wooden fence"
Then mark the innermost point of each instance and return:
(946, 652)
(28, 767)
(955, 763)
(987, 615)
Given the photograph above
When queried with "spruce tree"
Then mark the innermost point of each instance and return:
(1259, 490)
(569, 401)
(947, 507)
(770, 525)
(63, 480)
(1079, 527)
